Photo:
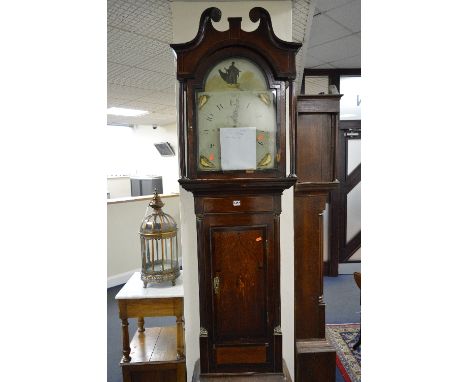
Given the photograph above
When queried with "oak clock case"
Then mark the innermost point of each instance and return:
(232, 130)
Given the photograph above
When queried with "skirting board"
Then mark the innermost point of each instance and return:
(121, 278)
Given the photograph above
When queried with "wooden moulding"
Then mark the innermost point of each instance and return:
(244, 203)
(215, 186)
(147, 308)
(328, 103)
(262, 40)
(316, 186)
(241, 377)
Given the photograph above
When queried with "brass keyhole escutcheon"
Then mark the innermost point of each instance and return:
(216, 285)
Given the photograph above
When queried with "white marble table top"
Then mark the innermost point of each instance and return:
(133, 289)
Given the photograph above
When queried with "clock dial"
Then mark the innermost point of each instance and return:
(238, 98)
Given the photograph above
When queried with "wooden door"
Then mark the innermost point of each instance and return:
(239, 262)
(239, 271)
(240, 291)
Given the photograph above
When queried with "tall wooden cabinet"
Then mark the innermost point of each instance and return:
(316, 134)
(239, 282)
(232, 138)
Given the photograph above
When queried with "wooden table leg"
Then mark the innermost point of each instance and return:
(141, 324)
(127, 377)
(181, 372)
(180, 337)
(125, 341)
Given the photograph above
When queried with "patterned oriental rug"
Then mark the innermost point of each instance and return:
(342, 337)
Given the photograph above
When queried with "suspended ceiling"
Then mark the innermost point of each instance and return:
(141, 67)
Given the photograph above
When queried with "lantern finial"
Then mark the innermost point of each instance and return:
(156, 202)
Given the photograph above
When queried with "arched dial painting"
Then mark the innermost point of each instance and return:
(236, 118)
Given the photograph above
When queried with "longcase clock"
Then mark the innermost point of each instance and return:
(232, 142)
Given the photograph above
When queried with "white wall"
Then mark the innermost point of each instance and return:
(354, 154)
(353, 225)
(118, 158)
(353, 215)
(123, 240)
(150, 162)
(186, 16)
(131, 151)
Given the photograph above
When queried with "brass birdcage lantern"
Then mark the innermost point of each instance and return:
(159, 248)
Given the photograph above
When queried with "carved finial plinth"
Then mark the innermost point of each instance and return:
(156, 202)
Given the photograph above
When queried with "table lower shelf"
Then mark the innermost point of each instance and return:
(156, 344)
(154, 357)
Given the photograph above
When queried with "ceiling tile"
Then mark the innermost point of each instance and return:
(126, 92)
(145, 79)
(302, 15)
(325, 5)
(336, 50)
(349, 62)
(324, 66)
(132, 49)
(149, 119)
(311, 62)
(300, 19)
(163, 63)
(166, 98)
(150, 18)
(116, 102)
(348, 15)
(139, 105)
(115, 70)
(324, 29)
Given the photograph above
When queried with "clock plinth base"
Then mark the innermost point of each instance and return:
(315, 361)
(241, 377)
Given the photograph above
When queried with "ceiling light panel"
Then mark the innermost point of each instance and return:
(126, 112)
